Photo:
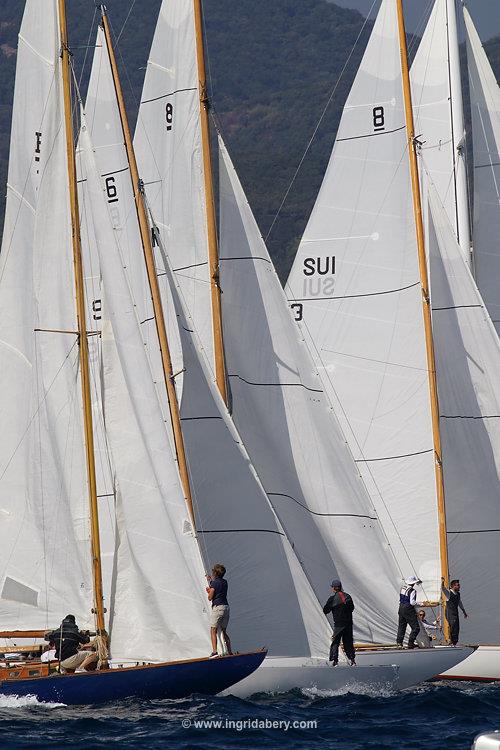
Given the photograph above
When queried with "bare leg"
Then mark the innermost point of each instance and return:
(213, 635)
(227, 642)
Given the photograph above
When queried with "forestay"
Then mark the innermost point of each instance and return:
(271, 601)
(45, 560)
(293, 438)
(467, 365)
(169, 155)
(438, 113)
(355, 289)
(159, 610)
(485, 109)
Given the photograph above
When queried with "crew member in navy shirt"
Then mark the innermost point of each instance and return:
(219, 617)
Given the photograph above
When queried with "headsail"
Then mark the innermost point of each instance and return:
(169, 154)
(438, 113)
(355, 285)
(282, 413)
(485, 109)
(45, 551)
(467, 366)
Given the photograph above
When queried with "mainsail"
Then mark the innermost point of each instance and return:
(281, 411)
(485, 109)
(467, 366)
(44, 552)
(355, 288)
(438, 112)
(168, 146)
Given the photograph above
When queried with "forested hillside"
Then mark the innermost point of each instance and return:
(273, 66)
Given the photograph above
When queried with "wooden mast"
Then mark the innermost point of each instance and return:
(426, 302)
(81, 321)
(213, 245)
(152, 276)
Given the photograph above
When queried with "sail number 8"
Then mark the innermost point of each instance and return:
(378, 118)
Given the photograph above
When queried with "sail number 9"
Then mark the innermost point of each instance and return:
(378, 118)
(169, 115)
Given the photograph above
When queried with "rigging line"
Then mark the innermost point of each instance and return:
(475, 531)
(463, 416)
(239, 531)
(89, 46)
(316, 513)
(126, 21)
(369, 135)
(166, 96)
(318, 125)
(37, 410)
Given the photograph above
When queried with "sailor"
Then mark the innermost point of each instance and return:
(407, 613)
(219, 616)
(453, 602)
(72, 646)
(428, 630)
(341, 606)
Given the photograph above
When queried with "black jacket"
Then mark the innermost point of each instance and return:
(71, 638)
(341, 606)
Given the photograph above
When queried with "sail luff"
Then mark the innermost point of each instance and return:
(152, 276)
(81, 322)
(213, 245)
(422, 261)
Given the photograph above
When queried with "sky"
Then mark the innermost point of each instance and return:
(485, 14)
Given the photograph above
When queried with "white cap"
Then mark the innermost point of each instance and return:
(412, 581)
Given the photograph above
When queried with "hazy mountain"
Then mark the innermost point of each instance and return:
(273, 67)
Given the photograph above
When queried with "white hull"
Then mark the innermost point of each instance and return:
(481, 666)
(386, 669)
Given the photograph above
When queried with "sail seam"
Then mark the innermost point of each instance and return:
(455, 307)
(183, 268)
(192, 419)
(353, 296)
(474, 531)
(115, 171)
(370, 135)
(279, 385)
(464, 416)
(164, 96)
(234, 531)
(248, 257)
(391, 458)
(316, 513)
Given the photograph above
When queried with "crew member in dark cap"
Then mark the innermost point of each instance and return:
(341, 606)
(73, 647)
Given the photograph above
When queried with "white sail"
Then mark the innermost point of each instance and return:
(438, 113)
(355, 286)
(485, 110)
(281, 411)
(45, 559)
(169, 153)
(159, 610)
(235, 521)
(467, 365)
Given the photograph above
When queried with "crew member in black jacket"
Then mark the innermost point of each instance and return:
(341, 606)
(70, 649)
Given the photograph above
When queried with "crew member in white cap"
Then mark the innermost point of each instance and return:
(407, 612)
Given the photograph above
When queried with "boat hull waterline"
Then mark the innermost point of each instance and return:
(153, 681)
(389, 669)
(481, 666)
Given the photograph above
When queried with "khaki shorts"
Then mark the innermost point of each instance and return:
(75, 661)
(219, 616)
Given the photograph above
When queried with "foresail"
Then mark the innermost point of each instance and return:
(235, 522)
(485, 109)
(158, 610)
(45, 560)
(467, 366)
(355, 290)
(169, 154)
(438, 113)
(281, 411)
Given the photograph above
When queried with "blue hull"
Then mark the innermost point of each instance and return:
(170, 680)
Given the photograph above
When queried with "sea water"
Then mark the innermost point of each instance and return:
(432, 716)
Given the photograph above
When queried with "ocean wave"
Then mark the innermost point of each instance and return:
(22, 701)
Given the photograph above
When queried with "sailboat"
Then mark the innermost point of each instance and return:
(407, 354)
(277, 402)
(50, 541)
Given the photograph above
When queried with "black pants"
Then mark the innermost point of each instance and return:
(342, 633)
(407, 616)
(454, 624)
